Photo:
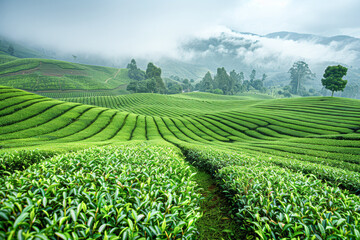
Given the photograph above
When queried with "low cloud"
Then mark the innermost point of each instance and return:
(159, 28)
(272, 53)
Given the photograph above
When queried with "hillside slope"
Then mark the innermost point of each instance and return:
(257, 125)
(282, 155)
(43, 75)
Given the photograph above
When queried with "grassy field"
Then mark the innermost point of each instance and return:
(90, 167)
(52, 75)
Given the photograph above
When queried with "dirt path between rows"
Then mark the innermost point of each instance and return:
(106, 81)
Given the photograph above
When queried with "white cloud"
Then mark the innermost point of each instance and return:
(154, 29)
(273, 53)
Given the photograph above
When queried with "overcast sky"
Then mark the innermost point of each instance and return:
(156, 27)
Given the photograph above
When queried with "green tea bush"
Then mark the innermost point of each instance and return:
(279, 204)
(212, 159)
(126, 192)
(20, 160)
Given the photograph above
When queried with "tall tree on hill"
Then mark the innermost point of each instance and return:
(223, 80)
(235, 77)
(333, 78)
(207, 83)
(134, 72)
(252, 76)
(153, 72)
(236, 81)
(299, 74)
(132, 86)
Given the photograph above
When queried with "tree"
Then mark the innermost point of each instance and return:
(154, 73)
(174, 87)
(134, 72)
(75, 57)
(151, 85)
(333, 78)
(252, 75)
(258, 85)
(223, 81)
(186, 85)
(299, 73)
(11, 50)
(264, 76)
(207, 83)
(132, 86)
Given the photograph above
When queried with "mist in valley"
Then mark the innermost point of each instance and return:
(200, 36)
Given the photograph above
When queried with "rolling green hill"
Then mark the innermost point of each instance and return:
(288, 167)
(53, 75)
(20, 50)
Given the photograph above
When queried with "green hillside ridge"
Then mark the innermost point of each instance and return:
(296, 158)
(20, 50)
(47, 75)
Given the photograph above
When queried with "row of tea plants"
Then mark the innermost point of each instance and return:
(138, 191)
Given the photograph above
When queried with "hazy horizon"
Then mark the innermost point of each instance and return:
(153, 30)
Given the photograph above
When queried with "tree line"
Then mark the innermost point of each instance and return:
(150, 81)
(230, 84)
(300, 73)
(145, 82)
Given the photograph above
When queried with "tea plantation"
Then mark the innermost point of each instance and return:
(35, 74)
(130, 167)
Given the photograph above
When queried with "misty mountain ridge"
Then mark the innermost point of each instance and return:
(273, 54)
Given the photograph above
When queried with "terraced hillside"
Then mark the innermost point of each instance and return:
(259, 150)
(301, 127)
(45, 75)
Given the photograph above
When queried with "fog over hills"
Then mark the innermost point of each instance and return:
(272, 54)
(275, 53)
(187, 38)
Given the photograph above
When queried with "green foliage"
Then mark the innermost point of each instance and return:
(207, 83)
(174, 88)
(217, 91)
(151, 82)
(223, 81)
(333, 78)
(277, 203)
(252, 76)
(134, 72)
(230, 84)
(102, 191)
(299, 74)
(235, 138)
(20, 160)
(45, 74)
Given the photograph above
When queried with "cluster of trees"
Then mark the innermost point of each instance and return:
(300, 73)
(150, 81)
(229, 84)
(178, 85)
(145, 82)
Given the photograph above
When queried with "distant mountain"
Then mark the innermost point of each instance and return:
(343, 39)
(275, 53)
